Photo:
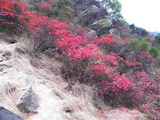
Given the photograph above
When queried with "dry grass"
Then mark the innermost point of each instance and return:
(9, 95)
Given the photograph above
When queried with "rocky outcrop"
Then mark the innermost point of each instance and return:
(28, 102)
(101, 26)
(89, 16)
(115, 32)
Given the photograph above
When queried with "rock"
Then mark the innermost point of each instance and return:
(90, 15)
(91, 10)
(2, 58)
(115, 32)
(20, 50)
(28, 102)
(8, 115)
(68, 109)
(89, 94)
(2, 67)
(98, 101)
(26, 81)
(92, 32)
(101, 26)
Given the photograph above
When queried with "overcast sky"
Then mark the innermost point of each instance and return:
(142, 13)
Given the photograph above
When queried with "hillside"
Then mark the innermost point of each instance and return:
(80, 56)
(18, 72)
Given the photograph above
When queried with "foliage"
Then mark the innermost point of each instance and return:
(135, 43)
(154, 51)
(11, 14)
(157, 40)
(102, 27)
(62, 10)
(158, 37)
(140, 31)
(140, 45)
(144, 44)
(115, 6)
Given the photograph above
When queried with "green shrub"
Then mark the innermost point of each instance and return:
(144, 44)
(140, 45)
(36, 7)
(154, 52)
(115, 6)
(135, 44)
(157, 38)
(139, 31)
(64, 2)
(143, 32)
(5, 30)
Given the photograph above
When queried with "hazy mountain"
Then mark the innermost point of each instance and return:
(154, 33)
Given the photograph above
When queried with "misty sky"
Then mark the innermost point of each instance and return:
(142, 13)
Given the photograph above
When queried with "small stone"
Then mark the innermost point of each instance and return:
(2, 58)
(68, 110)
(2, 67)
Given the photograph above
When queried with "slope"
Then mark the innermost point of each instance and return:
(18, 71)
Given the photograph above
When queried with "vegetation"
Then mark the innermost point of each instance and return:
(154, 51)
(120, 81)
(139, 31)
(140, 45)
(115, 6)
(157, 40)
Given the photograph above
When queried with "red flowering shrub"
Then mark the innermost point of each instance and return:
(45, 5)
(110, 43)
(11, 14)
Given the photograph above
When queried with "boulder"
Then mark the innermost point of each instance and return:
(91, 10)
(8, 115)
(115, 32)
(98, 101)
(101, 26)
(92, 32)
(28, 101)
(89, 94)
(90, 15)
